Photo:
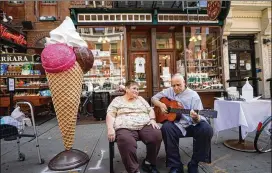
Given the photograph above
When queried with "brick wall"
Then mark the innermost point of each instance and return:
(42, 29)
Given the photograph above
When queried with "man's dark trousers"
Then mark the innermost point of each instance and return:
(202, 134)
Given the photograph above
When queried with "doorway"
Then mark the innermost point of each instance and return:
(140, 71)
(242, 61)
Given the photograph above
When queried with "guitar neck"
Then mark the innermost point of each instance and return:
(183, 111)
(205, 113)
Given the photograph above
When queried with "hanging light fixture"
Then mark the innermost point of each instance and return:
(100, 39)
(103, 40)
(107, 39)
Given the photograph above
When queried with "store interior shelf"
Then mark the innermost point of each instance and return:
(23, 76)
(201, 59)
(26, 87)
(204, 66)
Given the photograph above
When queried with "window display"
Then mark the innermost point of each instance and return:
(107, 45)
(202, 58)
(29, 80)
(139, 69)
(164, 41)
(165, 69)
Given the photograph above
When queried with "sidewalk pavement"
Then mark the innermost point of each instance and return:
(92, 139)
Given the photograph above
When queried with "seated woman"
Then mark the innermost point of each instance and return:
(130, 118)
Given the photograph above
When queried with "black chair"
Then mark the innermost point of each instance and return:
(101, 101)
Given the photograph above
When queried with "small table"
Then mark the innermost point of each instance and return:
(245, 114)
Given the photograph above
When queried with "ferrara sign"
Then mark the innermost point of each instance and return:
(19, 57)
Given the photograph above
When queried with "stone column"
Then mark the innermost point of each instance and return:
(265, 60)
(225, 60)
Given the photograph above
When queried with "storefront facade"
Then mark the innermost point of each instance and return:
(247, 44)
(151, 41)
(21, 44)
(145, 41)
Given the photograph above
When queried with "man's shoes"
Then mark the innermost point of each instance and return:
(192, 167)
(147, 167)
(176, 170)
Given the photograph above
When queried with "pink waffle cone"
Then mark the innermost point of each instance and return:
(66, 89)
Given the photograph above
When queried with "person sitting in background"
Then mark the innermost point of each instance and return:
(130, 118)
(194, 126)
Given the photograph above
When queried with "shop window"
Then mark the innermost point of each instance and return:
(139, 42)
(203, 58)
(110, 30)
(98, 31)
(98, 47)
(165, 69)
(113, 48)
(16, 2)
(49, 2)
(109, 69)
(179, 40)
(164, 41)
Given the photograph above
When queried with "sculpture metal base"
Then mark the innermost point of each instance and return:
(238, 145)
(67, 160)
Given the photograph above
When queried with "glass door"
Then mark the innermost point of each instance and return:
(140, 69)
(165, 69)
(242, 62)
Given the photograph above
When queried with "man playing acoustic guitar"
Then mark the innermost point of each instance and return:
(192, 125)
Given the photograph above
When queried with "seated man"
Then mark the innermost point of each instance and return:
(194, 126)
(130, 118)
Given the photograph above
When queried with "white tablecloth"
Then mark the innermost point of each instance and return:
(246, 114)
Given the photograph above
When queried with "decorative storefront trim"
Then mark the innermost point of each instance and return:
(190, 18)
(114, 17)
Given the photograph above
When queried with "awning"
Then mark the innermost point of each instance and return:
(160, 12)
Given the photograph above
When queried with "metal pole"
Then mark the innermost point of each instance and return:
(121, 47)
(11, 93)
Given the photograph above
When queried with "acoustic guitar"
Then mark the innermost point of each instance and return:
(173, 107)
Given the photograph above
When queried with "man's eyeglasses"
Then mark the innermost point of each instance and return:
(176, 85)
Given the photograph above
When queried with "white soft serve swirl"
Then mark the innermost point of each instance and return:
(66, 33)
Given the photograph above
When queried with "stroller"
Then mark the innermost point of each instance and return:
(12, 132)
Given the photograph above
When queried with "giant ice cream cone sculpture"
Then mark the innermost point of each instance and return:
(65, 59)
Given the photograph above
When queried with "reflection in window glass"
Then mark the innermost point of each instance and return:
(138, 42)
(179, 58)
(114, 48)
(203, 57)
(165, 70)
(164, 41)
(16, 2)
(48, 2)
(107, 45)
